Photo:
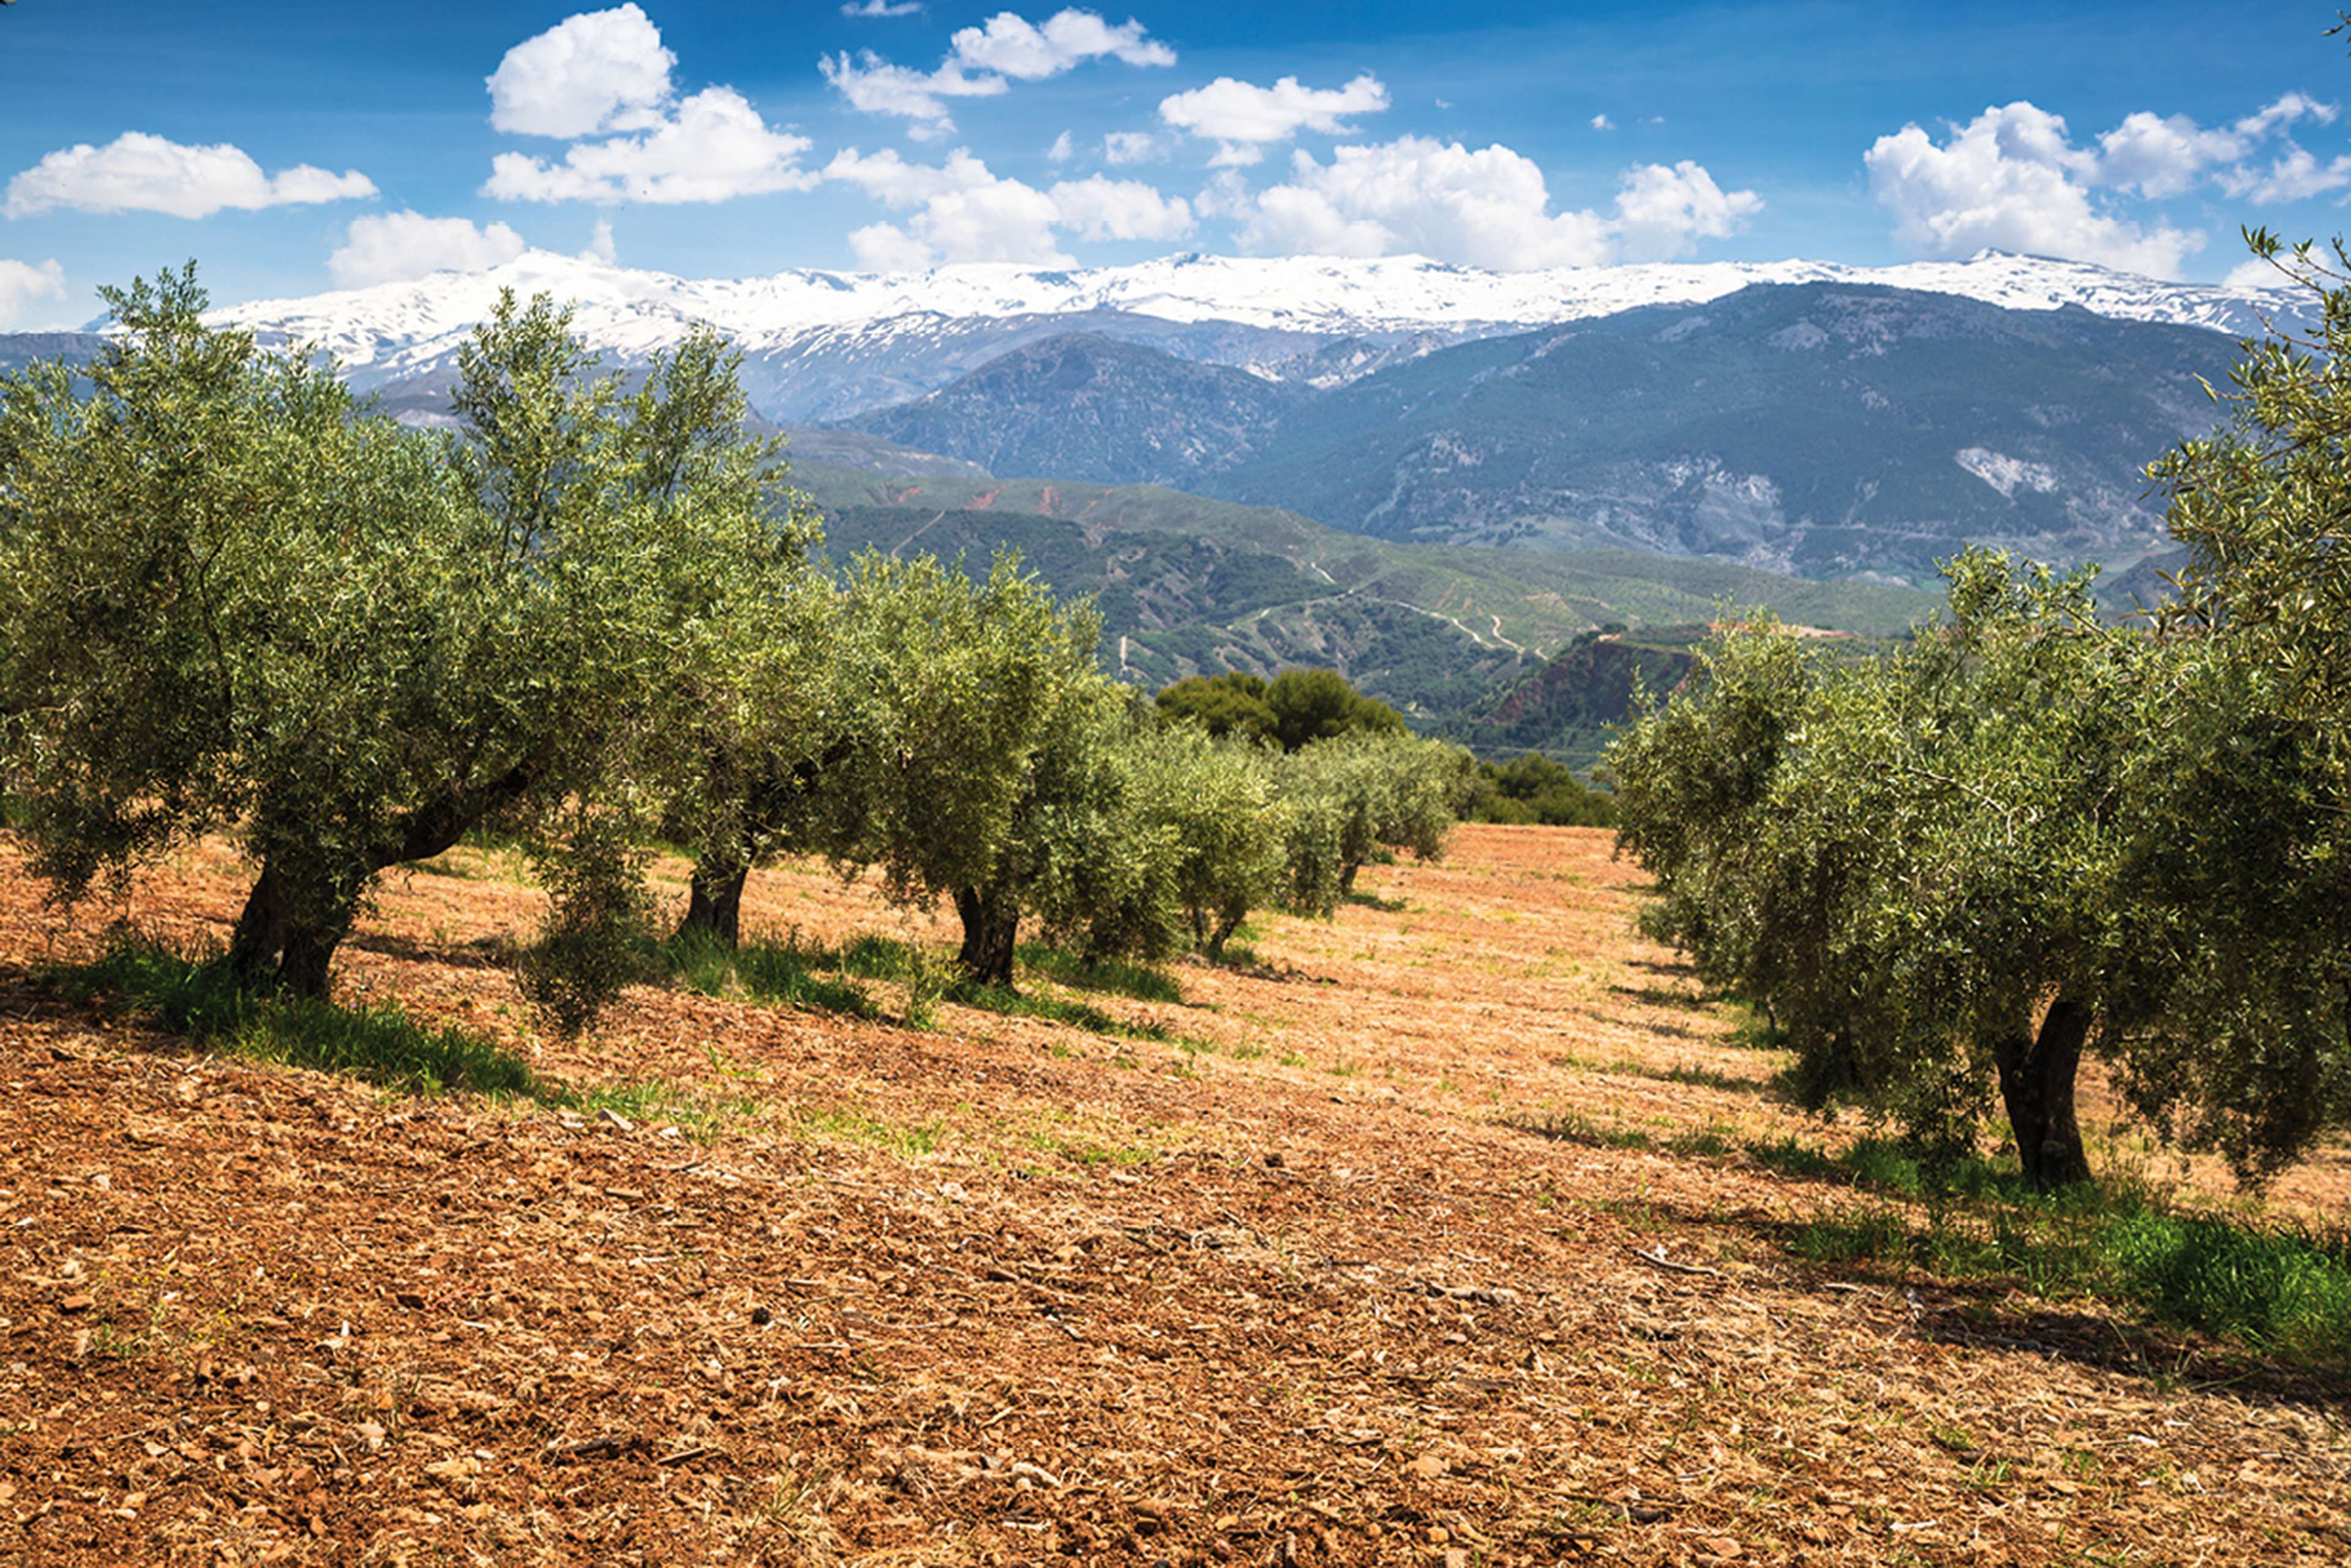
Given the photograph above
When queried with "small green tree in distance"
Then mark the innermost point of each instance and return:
(1294, 709)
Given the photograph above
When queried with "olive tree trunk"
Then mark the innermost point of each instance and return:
(714, 904)
(2036, 1085)
(285, 943)
(991, 926)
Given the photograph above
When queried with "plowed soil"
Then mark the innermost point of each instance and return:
(1304, 1283)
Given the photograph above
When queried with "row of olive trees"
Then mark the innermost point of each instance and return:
(2033, 833)
(958, 735)
(232, 597)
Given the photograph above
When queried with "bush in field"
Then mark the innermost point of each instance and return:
(1534, 789)
(1296, 709)
(232, 597)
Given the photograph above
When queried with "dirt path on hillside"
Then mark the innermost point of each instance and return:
(1303, 1282)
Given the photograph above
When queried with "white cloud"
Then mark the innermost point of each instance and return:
(22, 283)
(599, 244)
(1129, 147)
(2013, 178)
(887, 248)
(1103, 208)
(1663, 213)
(1243, 118)
(389, 246)
(2294, 176)
(961, 211)
(2286, 111)
(2160, 157)
(980, 59)
(1486, 208)
(874, 86)
(715, 148)
(139, 173)
(1602, 122)
(880, 7)
(1030, 52)
(1062, 150)
(597, 71)
(2253, 274)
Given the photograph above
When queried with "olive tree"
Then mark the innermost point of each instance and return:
(1911, 863)
(234, 598)
(1360, 795)
(2249, 777)
(1229, 824)
(983, 752)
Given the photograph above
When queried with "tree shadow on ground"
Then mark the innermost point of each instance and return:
(1665, 997)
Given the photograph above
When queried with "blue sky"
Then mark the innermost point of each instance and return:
(295, 147)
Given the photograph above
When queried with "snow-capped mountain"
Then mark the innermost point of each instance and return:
(826, 345)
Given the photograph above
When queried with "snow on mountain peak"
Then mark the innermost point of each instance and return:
(390, 331)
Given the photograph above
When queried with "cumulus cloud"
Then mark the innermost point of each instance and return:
(2294, 176)
(1662, 213)
(714, 148)
(1243, 118)
(1102, 208)
(392, 246)
(598, 71)
(961, 211)
(2253, 274)
(599, 244)
(1062, 150)
(1028, 51)
(22, 283)
(2013, 178)
(607, 74)
(1602, 122)
(881, 8)
(2158, 157)
(143, 173)
(1485, 208)
(982, 61)
(2288, 109)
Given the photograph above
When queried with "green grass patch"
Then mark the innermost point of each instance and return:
(769, 971)
(198, 996)
(1009, 1003)
(1574, 1128)
(1118, 976)
(2279, 1288)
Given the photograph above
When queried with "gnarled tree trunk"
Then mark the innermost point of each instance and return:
(991, 925)
(278, 944)
(2036, 1085)
(715, 901)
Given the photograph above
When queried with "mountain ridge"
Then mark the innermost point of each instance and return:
(821, 346)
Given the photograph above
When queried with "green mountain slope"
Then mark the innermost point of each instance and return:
(1188, 584)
